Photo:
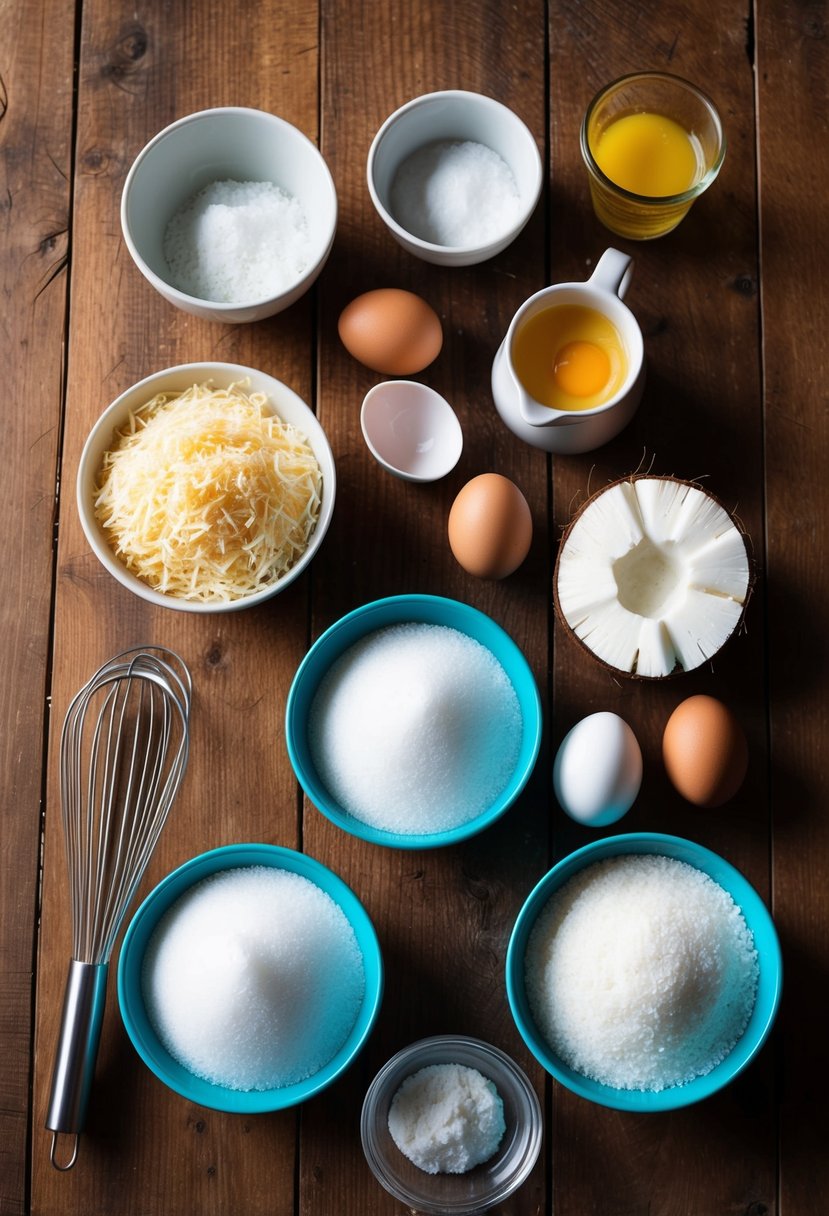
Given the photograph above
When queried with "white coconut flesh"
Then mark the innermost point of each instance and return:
(652, 576)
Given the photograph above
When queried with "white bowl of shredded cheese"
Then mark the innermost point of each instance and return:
(206, 487)
(230, 213)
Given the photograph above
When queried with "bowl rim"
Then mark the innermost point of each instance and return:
(143, 923)
(419, 1054)
(375, 615)
(453, 425)
(469, 97)
(200, 371)
(757, 918)
(225, 308)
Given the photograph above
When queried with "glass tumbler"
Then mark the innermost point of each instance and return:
(643, 216)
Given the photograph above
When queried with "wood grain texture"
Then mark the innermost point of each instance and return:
(694, 293)
(35, 156)
(138, 73)
(443, 916)
(734, 315)
(792, 108)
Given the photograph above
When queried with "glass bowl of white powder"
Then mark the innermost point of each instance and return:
(250, 978)
(454, 176)
(644, 972)
(413, 722)
(230, 213)
(451, 1124)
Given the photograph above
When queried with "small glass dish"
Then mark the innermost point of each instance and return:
(487, 1184)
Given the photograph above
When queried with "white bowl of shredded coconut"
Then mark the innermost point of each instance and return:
(230, 213)
(644, 972)
(454, 176)
(451, 1124)
(206, 487)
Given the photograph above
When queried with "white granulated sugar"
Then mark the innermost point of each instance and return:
(641, 972)
(415, 729)
(455, 193)
(447, 1118)
(253, 979)
(237, 242)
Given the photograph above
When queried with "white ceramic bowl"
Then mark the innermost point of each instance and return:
(453, 115)
(290, 408)
(228, 143)
(411, 430)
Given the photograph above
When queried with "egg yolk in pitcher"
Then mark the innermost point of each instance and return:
(569, 357)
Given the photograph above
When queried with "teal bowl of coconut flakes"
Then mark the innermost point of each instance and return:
(644, 972)
(413, 722)
(250, 978)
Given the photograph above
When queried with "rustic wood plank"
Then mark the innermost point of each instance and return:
(695, 294)
(146, 1148)
(792, 67)
(35, 158)
(444, 916)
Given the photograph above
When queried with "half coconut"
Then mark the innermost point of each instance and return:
(652, 576)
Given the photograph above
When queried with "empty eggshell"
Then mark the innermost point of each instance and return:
(391, 331)
(705, 751)
(597, 771)
(490, 526)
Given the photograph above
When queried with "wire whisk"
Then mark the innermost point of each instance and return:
(123, 753)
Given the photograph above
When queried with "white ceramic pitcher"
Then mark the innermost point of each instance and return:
(571, 431)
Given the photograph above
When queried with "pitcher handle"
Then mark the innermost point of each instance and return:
(613, 272)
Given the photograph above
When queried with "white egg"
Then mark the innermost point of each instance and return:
(598, 770)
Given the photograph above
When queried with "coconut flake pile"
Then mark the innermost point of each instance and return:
(653, 576)
(641, 973)
(415, 729)
(253, 979)
(237, 243)
(447, 1118)
(456, 194)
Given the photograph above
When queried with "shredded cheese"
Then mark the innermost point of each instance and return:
(206, 495)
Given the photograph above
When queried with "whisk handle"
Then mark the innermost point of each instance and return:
(80, 1030)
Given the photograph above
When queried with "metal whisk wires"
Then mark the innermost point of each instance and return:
(124, 750)
(119, 775)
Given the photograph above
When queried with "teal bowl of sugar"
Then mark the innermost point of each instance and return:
(413, 722)
(701, 944)
(250, 978)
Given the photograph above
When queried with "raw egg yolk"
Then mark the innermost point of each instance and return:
(581, 369)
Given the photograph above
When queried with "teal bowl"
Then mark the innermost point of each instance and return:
(136, 940)
(757, 919)
(399, 609)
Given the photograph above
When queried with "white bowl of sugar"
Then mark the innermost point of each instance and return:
(230, 213)
(454, 176)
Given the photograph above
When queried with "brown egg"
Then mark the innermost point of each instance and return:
(391, 331)
(705, 751)
(490, 526)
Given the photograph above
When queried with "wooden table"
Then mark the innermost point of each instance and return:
(735, 315)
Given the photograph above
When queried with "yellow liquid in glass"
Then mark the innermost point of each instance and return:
(648, 154)
(569, 357)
